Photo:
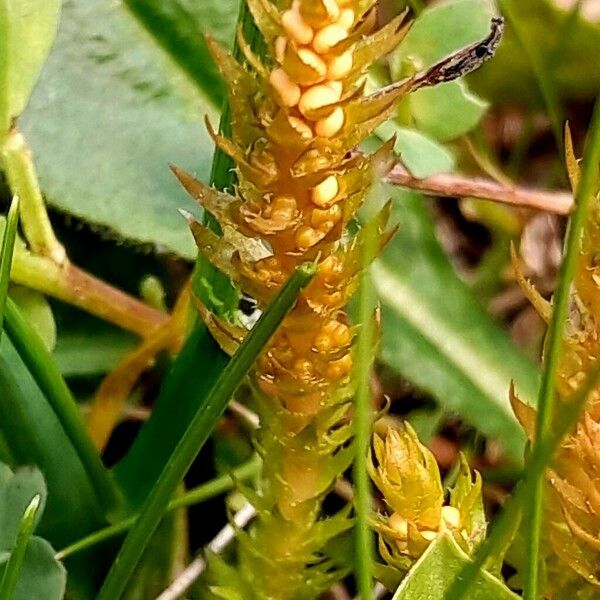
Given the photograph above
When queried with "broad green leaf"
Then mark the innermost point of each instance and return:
(16, 492)
(90, 347)
(420, 154)
(179, 26)
(78, 355)
(45, 373)
(39, 575)
(431, 576)
(437, 335)
(42, 576)
(113, 108)
(38, 313)
(13, 567)
(446, 111)
(35, 437)
(27, 30)
(441, 30)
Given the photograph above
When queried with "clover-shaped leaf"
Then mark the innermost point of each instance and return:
(40, 574)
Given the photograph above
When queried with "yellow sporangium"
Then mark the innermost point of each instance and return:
(407, 475)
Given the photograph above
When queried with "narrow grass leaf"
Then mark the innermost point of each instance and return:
(198, 432)
(45, 372)
(363, 419)
(203, 492)
(17, 556)
(553, 352)
(511, 513)
(8, 246)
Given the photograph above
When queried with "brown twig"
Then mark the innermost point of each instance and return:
(462, 187)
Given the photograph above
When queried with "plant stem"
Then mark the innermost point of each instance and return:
(70, 284)
(17, 556)
(198, 432)
(45, 266)
(42, 367)
(363, 419)
(206, 491)
(547, 397)
(460, 186)
(23, 181)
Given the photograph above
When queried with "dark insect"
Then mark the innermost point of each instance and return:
(464, 61)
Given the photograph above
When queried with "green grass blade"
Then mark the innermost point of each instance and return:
(546, 402)
(522, 496)
(198, 432)
(530, 490)
(363, 420)
(42, 367)
(199, 494)
(17, 556)
(8, 246)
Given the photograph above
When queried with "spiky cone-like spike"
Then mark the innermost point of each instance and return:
(296, 121)
(572, 505)
(408, 477)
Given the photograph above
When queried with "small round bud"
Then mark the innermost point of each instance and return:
(312, 60)
(339, 368)
(328, 37)
(317, 97)
(332, 8)
(283, 208)
(340, 66)
(280, 47)
(336, 86)
(319, 218)
(399, 524)
(324, 194)
(451, 516)
(429, 535)
(303, 368)
(301, 127)
(346, 19)
(307, 237)
(329, 126)
(296, 27)
(288, 92)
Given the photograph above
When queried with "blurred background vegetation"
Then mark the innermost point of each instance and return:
(124, 94)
